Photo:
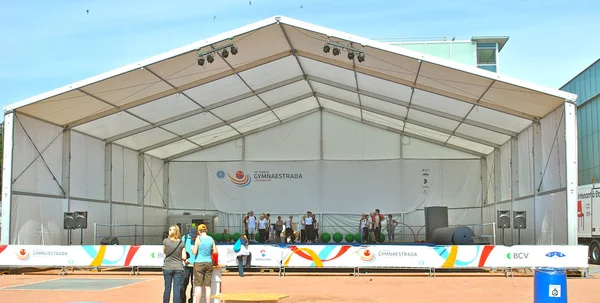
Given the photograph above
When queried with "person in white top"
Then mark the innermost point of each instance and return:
(289, 230)
(251, 222)
(263, 223)
(309, 227)
(363, 227)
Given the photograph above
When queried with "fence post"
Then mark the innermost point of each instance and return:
(95, 232)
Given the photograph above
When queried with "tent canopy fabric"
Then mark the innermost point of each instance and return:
(168, 106)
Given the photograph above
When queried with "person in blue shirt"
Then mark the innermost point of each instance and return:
(204, 247)
(188, 270)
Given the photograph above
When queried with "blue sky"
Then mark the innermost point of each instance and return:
(48, 44)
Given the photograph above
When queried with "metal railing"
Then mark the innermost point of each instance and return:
(130, 234)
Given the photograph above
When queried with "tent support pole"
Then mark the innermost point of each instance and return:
(497, 185)
(514, 182)
(141, 190)
(321, 134)
(66, 172)
(536, 128)
(571, 170)
(108, 183)
(484, 190)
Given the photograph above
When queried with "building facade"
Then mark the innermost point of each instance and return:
(482, 52)
(587, 87)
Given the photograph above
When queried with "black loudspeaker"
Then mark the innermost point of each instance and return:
(503, 219)
(80, 219)
(109, 241)
(435, 217)
(520, 219)
(68, 221)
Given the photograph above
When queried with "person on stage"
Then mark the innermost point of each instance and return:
(252, 225)
(263, 224)
(309, 227)
(391, 228)
(363, 227)
(289, 230)
(279, 229)
(377, 228)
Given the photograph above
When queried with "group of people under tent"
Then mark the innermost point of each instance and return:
(369, 225)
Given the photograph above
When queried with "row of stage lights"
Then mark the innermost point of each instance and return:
(210, 56)
(336, 49)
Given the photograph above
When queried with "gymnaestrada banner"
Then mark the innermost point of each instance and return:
(302, 256)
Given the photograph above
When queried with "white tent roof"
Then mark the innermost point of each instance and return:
(168, 106)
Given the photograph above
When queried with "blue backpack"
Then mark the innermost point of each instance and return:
(237, 246)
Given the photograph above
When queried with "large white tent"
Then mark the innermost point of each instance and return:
(283, 127)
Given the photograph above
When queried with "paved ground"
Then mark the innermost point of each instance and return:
(368, 288)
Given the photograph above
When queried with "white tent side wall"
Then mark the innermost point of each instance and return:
(41, 191)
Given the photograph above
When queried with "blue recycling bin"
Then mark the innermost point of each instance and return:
(550, 285)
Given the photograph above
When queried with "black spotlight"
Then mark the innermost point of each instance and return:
(336, 51)
(234, 50)
(361, 57)
(326, 49)
(350, 55)
(225, 53)
(210, 58)
(201, 61)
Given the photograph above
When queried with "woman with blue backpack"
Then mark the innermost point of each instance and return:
(243, 254)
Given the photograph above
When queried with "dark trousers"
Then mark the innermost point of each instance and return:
(278, 235)
(310, 233)
(366, 234)
(289, 233)
(377, 233)
(172, 280)
(303, 235)
(263, 235)
(188, 279)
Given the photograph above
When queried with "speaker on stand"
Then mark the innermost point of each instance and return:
(520, 221)
(69, 225)
(503, 221)
(80, 220)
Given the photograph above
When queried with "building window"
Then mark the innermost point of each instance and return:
(486, 56)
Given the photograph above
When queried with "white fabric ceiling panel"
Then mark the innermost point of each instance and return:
(441, 103)
(296, 108)
(460, 142)
(481, 133)
(383, 106)
(383, 87)
(425, 132)
(144, 139)
(184, 69)
(192, 123)
(126, 88)
(296, 140)
(285, 93)
(382, 120)
(328, 72)
(239, 108)
(66, 108)
(164, 108)
(230, 151)
(432, 120)
(417, 149)
(404, 68)
(334, 92)
(453, 81)
(498, 119)
(341, 108)
(346, 139)
(171, 149)
(111, 125)
(214, 135)
(218, 90)
(255, 122)
(521, 99)
(272, 72)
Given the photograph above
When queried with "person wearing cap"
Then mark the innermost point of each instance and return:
(188, 270)
(204, 247)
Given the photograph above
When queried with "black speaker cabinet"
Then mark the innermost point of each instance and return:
(68, 221)
(435, 217)
(520, 219)
(503, 219)
(80, 219)
(109, 241)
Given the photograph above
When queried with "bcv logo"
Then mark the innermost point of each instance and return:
(515, 256)
(555, 254)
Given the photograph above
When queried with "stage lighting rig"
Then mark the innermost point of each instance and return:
(337, 48)
(223, 51)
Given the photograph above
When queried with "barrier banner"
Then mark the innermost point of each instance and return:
(328, 256)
